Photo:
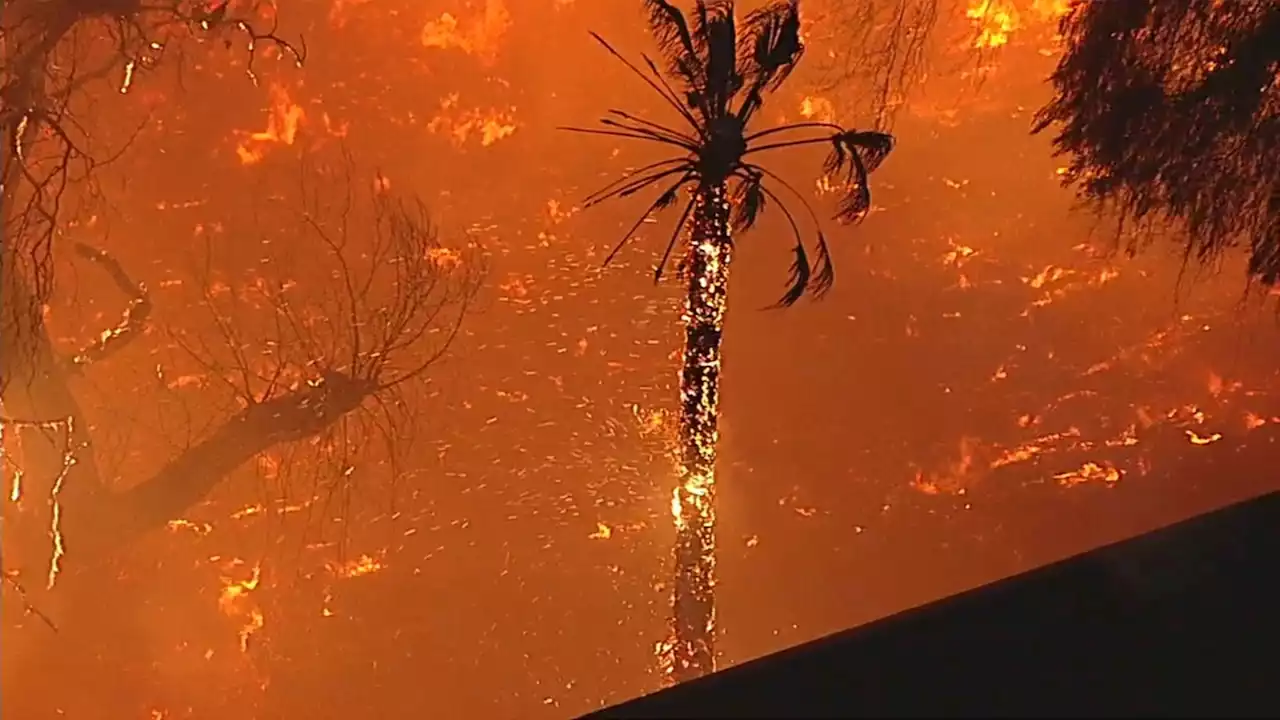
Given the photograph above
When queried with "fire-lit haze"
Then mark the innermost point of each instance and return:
(986, 389)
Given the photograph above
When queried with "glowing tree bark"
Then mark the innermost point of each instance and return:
(694, 620)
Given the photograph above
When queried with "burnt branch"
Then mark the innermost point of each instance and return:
(294, 416)
(28, 607)
(136, 313)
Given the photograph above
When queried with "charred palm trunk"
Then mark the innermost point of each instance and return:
(707, 268)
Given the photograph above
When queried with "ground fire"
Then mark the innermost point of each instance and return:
(320, 401)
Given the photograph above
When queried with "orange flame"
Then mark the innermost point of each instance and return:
(481, 36)
(460, 126)
(993, 20)
(284, 120)
(236, 602)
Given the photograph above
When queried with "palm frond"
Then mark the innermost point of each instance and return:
(672, 132)
(665, 90)
(792, 127)
(801, 270)
(772, 49)
(715, 30)
(639, 129)
(634, 186)
(663, 201)
(873, 147)
(631, 175)
(787, 144)
(854, 156)
(823, 268)
(670, 29)
(676, 43)
(799, 280)
(825, 271)
(748, 201)
(620, 133)
(671, 244)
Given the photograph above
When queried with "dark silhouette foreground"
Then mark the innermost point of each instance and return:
(1169, 114)
(1181, 621)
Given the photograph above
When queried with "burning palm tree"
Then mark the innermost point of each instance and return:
(717, 73)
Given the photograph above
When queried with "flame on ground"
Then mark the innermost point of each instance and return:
(358, 567)
(236, 602)
(284, 119)
(462, 126)
(480, 36)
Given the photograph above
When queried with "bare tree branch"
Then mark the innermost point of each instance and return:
(136, 313)
(880, 51)
(305, 362)
(51, 52)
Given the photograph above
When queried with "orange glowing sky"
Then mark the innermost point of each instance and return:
(985, 390)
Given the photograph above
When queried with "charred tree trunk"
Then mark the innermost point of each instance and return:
(189, 478)
(35, 397)
(707, 267)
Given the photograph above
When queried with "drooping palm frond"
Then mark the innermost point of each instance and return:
(854, 156)
(748, 200)
(663, 201)
(823, 269)
(750, 196)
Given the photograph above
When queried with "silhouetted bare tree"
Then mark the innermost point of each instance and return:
(1169, 111)
(300, 356)
(718, 72)
(57, 58)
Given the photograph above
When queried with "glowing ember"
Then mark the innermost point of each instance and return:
(65, 428)
(359, 567)
(8, 464)
(1198, 439)
(817, 108)
(1090, 472)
